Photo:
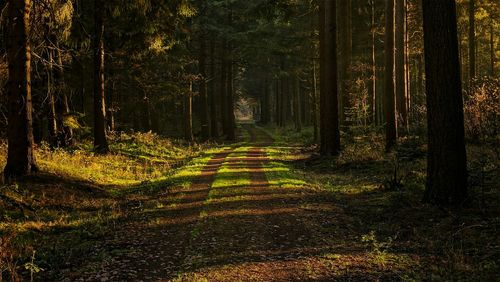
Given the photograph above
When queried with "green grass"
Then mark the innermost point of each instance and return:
(134, 159)
(80, 197)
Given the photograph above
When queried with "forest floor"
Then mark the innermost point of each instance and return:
(264, 209)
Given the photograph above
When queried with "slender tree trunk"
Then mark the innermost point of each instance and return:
(472, 41)
(492, 50)
(323, 78)
(400, 65)
(20, 157)
(65, 132)
(264, 115)
(446, 161)
(223, 89)
(373, 105)
(51, 96)
(204, 111)
(407, 67)
(389, 101)
(345, 52)
(297, 105)
(188, 114)
(315, 103)
(231, 133)
(331, 127)
(212, 96)
(100, 141)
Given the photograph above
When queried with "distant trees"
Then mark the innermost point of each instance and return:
(20, 159)
(446, 161)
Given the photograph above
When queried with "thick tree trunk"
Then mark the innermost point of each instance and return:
(331, 127)
(204, 111)
(100, 141)
(389, 97)
(446, 161)
(400, 65)
(20, 157)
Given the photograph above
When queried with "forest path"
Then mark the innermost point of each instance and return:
(245, 217)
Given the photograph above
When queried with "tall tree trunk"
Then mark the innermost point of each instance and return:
(389, 97)
(297, 104)
(472, 40)
(65, 132)
(331, 127)
(20, 157)
(264, 115)
(315, 103)
(322, 76)
(100, 141)
(399, 70)
(214, 128)
(446, 161)
(231, 133)
(223, 89)
(345, 51)
(51, 96)
(373, 98)
(204, 111)
(407, 66)
(492, 50)
(188, 114)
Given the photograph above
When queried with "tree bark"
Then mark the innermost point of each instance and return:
(399, 70)
(331, 126)
(231, 133)
(214, 132)
(20, 156)
(345, 52)
(322, 76)
(51, 96)
(446, 161)
(188, 114)
(373, 105)
(472, 40)
(389, 97)
(65, 132)
(223, 89)
(100, 140)
(297, 105)
(492, 50)
(204, 111)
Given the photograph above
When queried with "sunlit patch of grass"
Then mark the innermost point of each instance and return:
(280, 175)
(136, 158)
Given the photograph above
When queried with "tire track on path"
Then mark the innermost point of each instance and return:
(153, 246)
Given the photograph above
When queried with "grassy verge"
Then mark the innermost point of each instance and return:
(377, 197)
(55, 222)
